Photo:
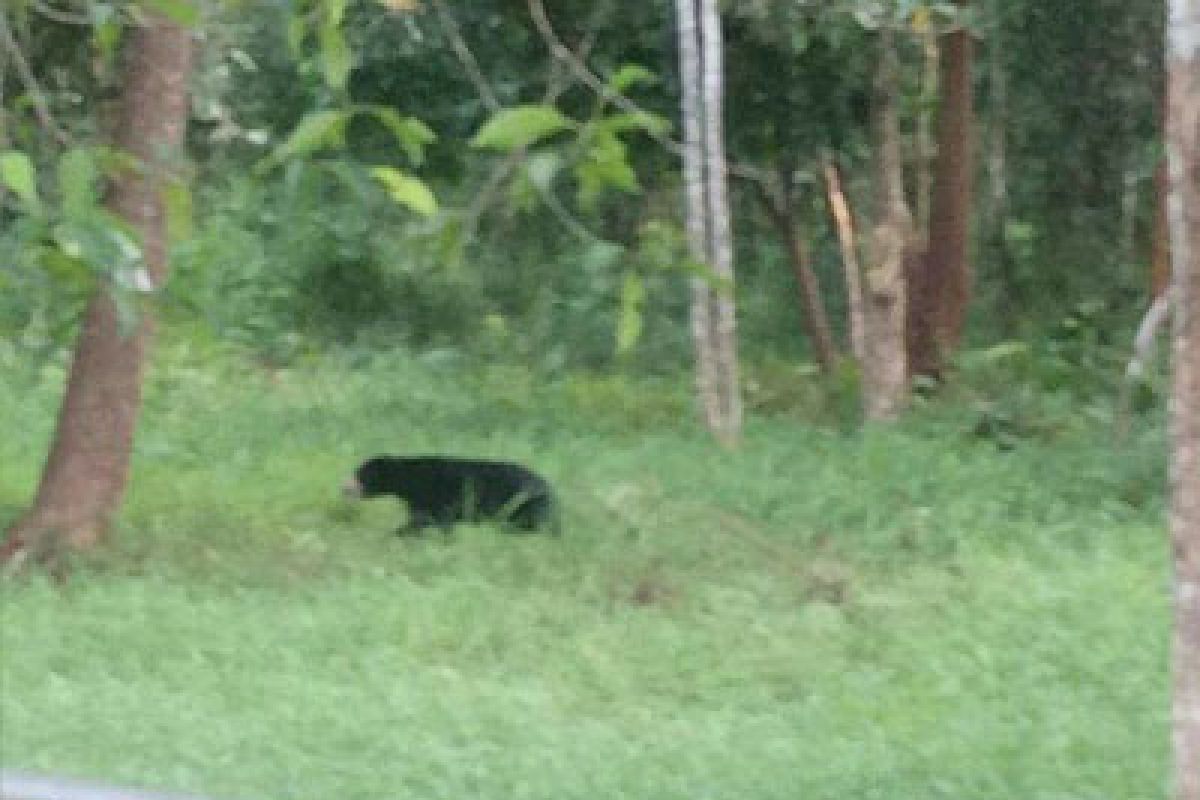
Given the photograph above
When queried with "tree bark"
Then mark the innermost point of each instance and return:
(941, 287)
(714, 326)
(1160, 246)
(84, 477)
(843, 221)
(885, 369)
(1183, 159)
(814, 318)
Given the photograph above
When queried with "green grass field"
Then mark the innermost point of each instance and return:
(894, 613)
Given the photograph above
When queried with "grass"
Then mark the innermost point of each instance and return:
(896, 613)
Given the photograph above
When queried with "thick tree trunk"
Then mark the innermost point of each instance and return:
(85, 473)
(885, 369)
(941, 288)
(814, 318)
(1183, 158)
(843, 221)
(714, 326)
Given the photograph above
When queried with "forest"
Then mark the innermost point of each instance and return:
(581, 399)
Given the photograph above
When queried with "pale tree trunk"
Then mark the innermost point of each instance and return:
(843, 221)
(86, 471)
(714, 329)
(885, 368)
(1183, 164)
(941, 286)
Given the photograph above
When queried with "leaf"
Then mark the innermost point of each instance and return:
(407, 190)
(520, 126)
(181, 11)
(336, 58)
(541, 168)
(641, 121)
(629, 320)
(101, 242)
(78, 178)
(335, 11)
(629, 75)
(315, 132)
(606, 166)
(410, 133)
(18, 174)
(297, 32)
(400, 5)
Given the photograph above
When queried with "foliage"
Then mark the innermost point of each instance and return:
(894, 613)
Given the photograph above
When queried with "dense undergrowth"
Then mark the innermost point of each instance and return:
(972, 604)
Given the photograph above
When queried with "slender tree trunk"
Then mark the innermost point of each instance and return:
(1160, 242)
(942, 286)
(996, 216)
(86, 471)
(1183, 158)
(714, 327)
(814, 318)
(843, 221)
(885, 369)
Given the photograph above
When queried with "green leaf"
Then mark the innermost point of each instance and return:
(297, 32)
(629, 75)
(606, 166)
(410, 133)
(541, 168)
(78, 179)
(335, 11)
(641, 121)
(316, 131)
(629, 321)
(336, 58)
(102, 243)
(406, 190)
(181, 11)
(520, 126)
(18, 174)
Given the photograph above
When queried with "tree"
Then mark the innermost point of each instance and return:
(1183, 159)
(885, 367)
(941, 285)
(713, 322)
(85, 474)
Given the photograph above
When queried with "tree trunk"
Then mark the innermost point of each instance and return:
(714, 328)
(843, 221)
(1183, 158)
(942, 284)
(885, 369)
(86, 471)
(995, 233)
(814, 318)
(1160, 246)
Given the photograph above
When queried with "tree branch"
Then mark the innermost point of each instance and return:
(537, 12)
(40, 108)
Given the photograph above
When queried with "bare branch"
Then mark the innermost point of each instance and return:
(556, 84)
(459, 45)
(577, 65)
(40, 108)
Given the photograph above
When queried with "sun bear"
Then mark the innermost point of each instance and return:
(442, 490)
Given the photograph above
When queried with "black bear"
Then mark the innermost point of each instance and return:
(441, 490)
